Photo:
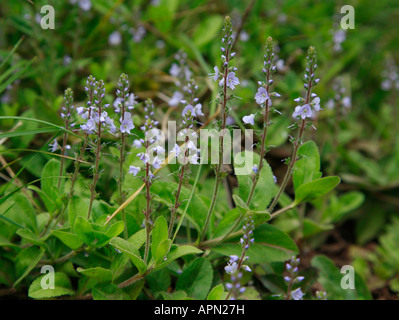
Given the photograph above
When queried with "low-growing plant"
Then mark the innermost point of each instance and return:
(150, 229)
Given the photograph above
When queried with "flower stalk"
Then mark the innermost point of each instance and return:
(301, 112)
(228, 80)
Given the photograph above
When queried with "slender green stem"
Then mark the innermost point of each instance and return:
(77, 165)
(96, 173)
(263, 151)
(176, 204)
(64, 141)
(219, 166)
(290, 167)
(297, 143)
(147, 211)
(121, 192)
(121, 162)
(188, 203)
(212, 206)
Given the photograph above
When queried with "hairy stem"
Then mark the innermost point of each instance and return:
(219, 166)
(147, 212)
(290, 167)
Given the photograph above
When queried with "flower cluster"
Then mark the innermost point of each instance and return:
(235, 263)
(151, 135)
(66, 113)
(85, 5)
(341, 98)
(321, 295)
(67, 116)
(182, 73)
(308, 108)
(390, 76)
(292, 278)
(228, 75)
(189, 153)
(339, 37)
(263, 95)
(96, 118)
(123, 104)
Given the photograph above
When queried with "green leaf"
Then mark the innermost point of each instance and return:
(240, 203)
(62, 287)
(118, 265)
(24, 66)
(159, 280)
(260, 217)
(315, 189)
(84, 230)
(177, 252)
(196, 279)
(128, 249)
(162, 251)
(135, 289)
(71, 240)
(48, 201)
(159, 235)
(162, 14)
(343, 205)
(77, 208)
(307, 168)
(271, 245)
(207, 30)
(27, 132)
(217, 293)
(264, 190)
(311, 228)
(108, 291)
(21, 212)
(164, 191)
(177, 295)
(98, 273)
(330, 278)
(227, 222)
(138, 239)
(31, 237)
(115, 230)
(25, 261)
(50, 176)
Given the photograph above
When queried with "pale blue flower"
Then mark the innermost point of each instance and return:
(316, 104)
(174, 70)
(232, 80)
(194, 159)
(126, 126)
(198, 110)
(231, 268)
(297, 294)
(176, 98)
(215, 76)
(115, 38)
(261, 96)
(176, 150)
(304, 112)
(249, 119)
(54, 146)
(156, 163)
(144, 157)
(137, 143)
(134, 170)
